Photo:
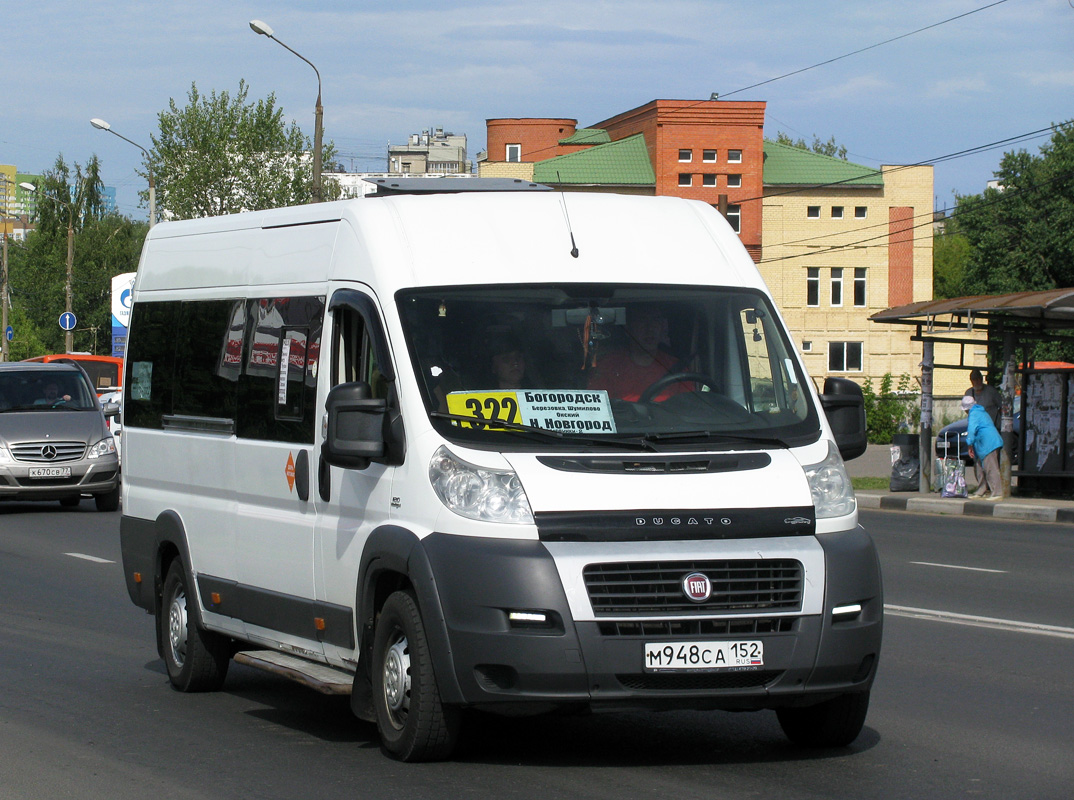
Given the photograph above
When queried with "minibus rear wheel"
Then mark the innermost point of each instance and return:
(833, 723)
(197, 660)
(412, 722)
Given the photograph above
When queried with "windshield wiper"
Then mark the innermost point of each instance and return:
(720, 436)
(639, 442)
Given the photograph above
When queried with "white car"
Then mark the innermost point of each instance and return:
(115, 426)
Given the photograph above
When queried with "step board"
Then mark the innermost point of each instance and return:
(323, 678)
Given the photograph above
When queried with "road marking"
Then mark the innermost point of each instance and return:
(94, 559)
(956, 566)
(980, 622)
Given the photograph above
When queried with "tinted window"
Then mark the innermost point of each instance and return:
(278, 387)
(150, 363)
(205, 384)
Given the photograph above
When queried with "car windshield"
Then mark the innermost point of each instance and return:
(44, 390)
(596, 365)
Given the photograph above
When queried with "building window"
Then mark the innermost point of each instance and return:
(708, 156)
(837, 286)
(406, 166)
(734, 216)
(514, 152)
(860, 212)
(734, 181)
(844, 356)
(708, 180)
(813, 286)
(837, 212)
(859, 286)
(686, 179)
(812, 212)
(686, 155)
(807, 346)
(734, 156)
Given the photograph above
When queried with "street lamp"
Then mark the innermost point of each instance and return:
(68, 335)
(259, 27)
(101, 125)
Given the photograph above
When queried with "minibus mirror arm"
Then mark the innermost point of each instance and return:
(844, 405)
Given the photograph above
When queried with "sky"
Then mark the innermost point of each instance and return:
(390, 69)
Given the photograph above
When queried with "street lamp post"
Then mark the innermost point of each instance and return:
(68, 336)
(259, 27)
(101, 125)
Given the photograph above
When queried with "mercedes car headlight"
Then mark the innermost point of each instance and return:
(105, 447)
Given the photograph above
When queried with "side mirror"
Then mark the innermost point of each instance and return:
(357, 429)
(844, 406)
(110, 409)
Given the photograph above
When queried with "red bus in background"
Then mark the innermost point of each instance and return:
(105, 372)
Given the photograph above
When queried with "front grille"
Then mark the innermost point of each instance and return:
(654, 682)
(656, 586)
(48, 452)
(699, 627)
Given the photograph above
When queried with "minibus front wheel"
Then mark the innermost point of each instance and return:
(412, 721)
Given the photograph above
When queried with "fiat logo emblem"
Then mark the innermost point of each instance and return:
(697, 587)
(48, 451)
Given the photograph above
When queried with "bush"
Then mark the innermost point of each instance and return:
(888, 411)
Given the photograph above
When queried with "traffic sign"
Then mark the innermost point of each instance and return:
(9, 333)
(68, 321)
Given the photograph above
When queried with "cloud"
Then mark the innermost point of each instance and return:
(958, 87)
(1057, 79)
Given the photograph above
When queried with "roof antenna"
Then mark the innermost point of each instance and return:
(566, 216)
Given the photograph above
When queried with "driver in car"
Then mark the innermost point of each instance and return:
(628, 371)
(52, 396)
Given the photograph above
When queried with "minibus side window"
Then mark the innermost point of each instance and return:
(278, 385)
(355, 357)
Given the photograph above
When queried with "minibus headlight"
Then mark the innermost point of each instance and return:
(105, 447)
(489, 495)
(833, 496)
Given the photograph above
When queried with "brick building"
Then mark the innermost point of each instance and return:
(835, 241)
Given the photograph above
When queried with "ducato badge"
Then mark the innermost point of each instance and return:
(697, 587)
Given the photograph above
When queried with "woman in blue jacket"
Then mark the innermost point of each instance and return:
(984, 442)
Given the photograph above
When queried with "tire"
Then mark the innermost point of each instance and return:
(833, 723)
(109, 501)
(412, 722)
(71, 501)
(196, 659)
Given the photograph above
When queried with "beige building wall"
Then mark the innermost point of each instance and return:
(793, 242)
(522, 170)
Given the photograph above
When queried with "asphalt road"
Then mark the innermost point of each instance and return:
(977, 705)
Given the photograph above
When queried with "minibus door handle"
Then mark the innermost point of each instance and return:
(302, 475)
(324, 479)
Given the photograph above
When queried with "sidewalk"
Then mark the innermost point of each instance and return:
(876, 463)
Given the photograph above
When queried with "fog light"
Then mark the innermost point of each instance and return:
(846, 613)
(528, 618)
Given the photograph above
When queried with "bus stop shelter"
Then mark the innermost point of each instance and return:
(1012, 323)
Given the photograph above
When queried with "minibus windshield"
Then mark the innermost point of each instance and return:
(670, 366)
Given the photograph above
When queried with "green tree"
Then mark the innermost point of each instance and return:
(104, 246)
(220, 154)
(1021, 234)
(889, 409)
(828, 148)
(951, 253)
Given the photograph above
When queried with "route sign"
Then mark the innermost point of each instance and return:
(68, 321)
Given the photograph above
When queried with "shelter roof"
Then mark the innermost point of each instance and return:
(1052, 305)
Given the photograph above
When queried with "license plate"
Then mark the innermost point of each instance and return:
(683, 656)
(50, 472)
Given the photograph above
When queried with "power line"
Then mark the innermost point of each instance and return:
(1006, 196)
(862, 50)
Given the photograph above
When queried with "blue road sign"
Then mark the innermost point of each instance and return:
(68, 321)
(9, 333)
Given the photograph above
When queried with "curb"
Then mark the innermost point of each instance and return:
(1003, 509)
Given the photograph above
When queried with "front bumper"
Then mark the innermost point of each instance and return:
(497, 663)
(88, 476)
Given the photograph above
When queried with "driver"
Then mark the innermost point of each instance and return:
(627, 372)
(52, 396)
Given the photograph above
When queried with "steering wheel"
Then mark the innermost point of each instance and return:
(675, 377)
